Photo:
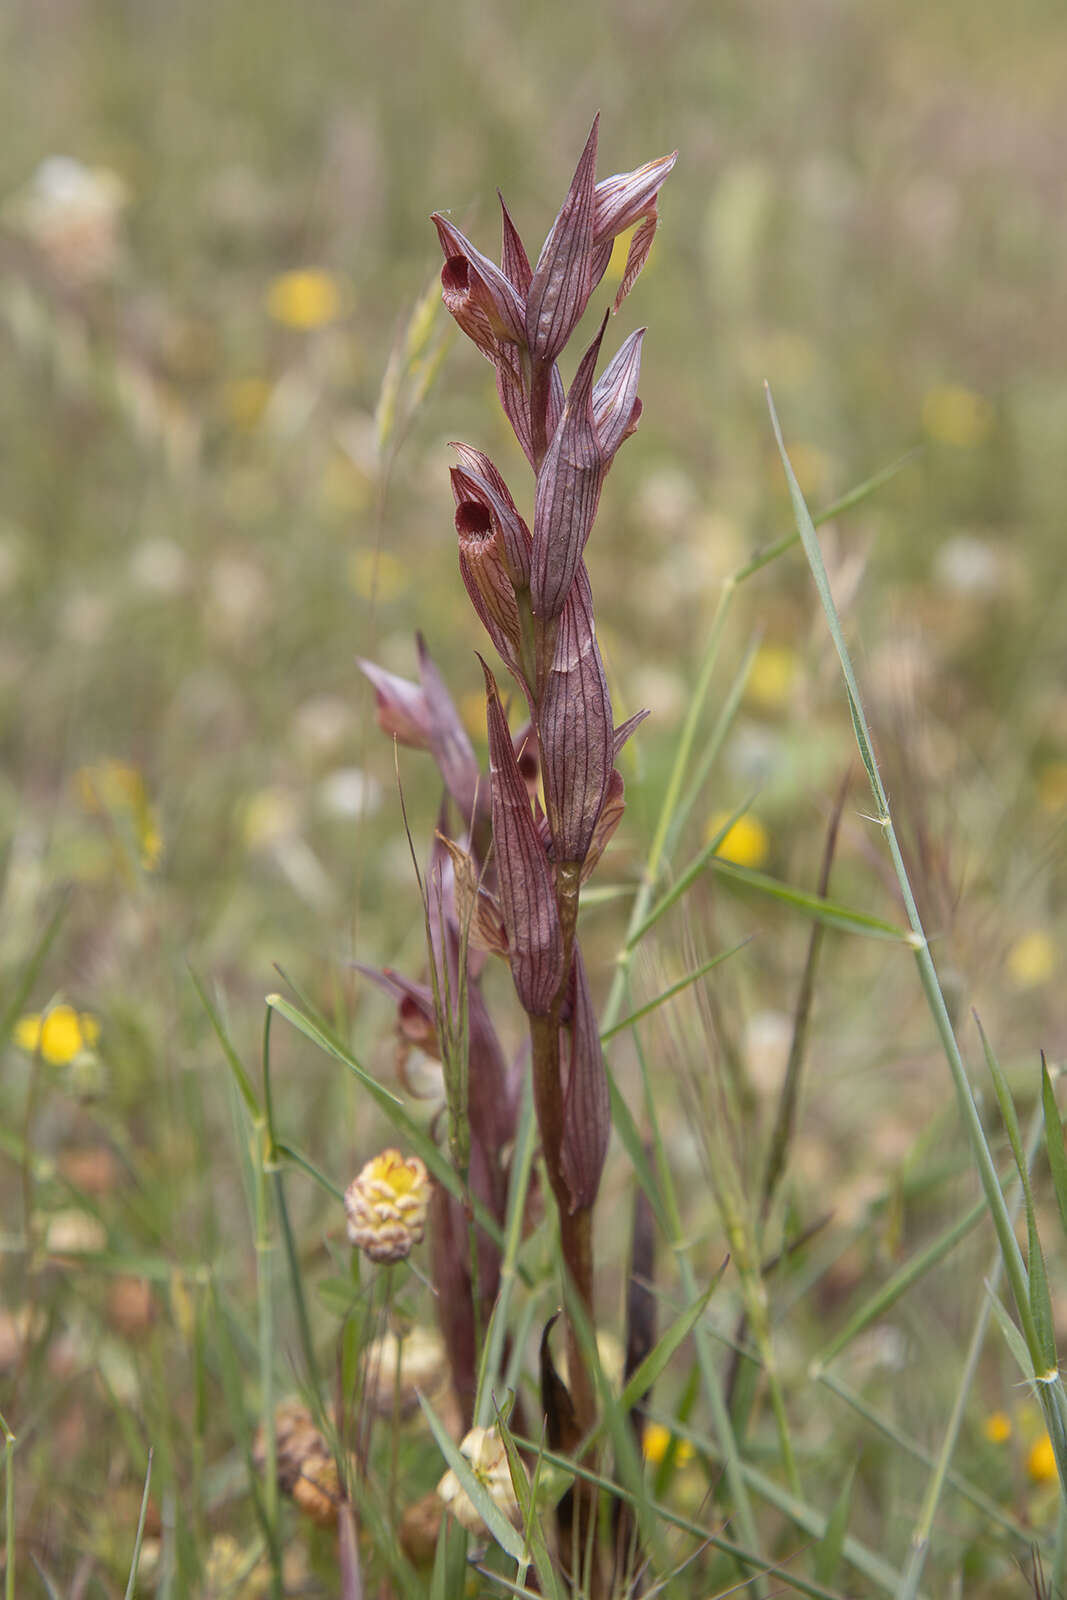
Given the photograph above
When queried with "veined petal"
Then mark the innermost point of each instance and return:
(513, 257)
(625, 729)
(482, 299)
(616, 407)
(575, 729)
(623, 198)
(478, 479)
(568, 489)
(562, 279)
(620, 201)
(449, 743)
(586, 1104)
(485, 576)
(610, 817)
(401, 706)
(524, 876)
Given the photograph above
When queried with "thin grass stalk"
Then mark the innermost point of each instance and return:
(920, 1538)
(720, 1413)
(263, 1157)
(496, 1334)
(135, 1558)
(9, 1509)
(1048, 1384)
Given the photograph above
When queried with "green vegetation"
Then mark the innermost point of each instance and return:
(226, 387)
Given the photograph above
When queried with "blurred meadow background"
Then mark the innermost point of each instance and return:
(226, 391)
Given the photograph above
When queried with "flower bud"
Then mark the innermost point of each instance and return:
(575, 728)
(562, 279)
(568, 492)
(526, 884)
(386, 1206)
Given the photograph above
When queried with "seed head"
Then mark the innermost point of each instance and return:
(386, 1206)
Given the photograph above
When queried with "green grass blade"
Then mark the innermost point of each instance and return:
(1040, 1301)
(1057, 1156)
(493, 1345)
(9, 1510)
(832, 1544)
(526, 1495)
(650, 1369)
(670, 992)
(901, 1281)
(131, 1582)
(394, 1109)
(981, 1154)
(828, 912)
(233, 1060)
(854, 497)
(507, 1537)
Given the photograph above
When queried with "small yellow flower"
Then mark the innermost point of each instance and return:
(771, 677)
(997, 1427)
(954, 415)
(1031, 960)
(747, 844)
(58, 1036)
(305, 299)
(657, 1442)
(386, 1206)
(1041, 1461)
(485, 1451)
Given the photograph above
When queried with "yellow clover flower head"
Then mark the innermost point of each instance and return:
(386, 1206)
(484, 1449)
(997, 1427)
(305, 299)
(58, 1036)
(746, 844)
(1041, 1461)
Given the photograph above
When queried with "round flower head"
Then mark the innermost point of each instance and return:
(485, 1451)
(386, 1206)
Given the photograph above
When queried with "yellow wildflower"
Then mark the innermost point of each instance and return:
(1031, 960)
(997, 1427)
(386, 1206)
(58, 1035)
(1041, 1461)
(656, 1443)
(485, 1451)
(747, 843)
(771, 676)
(954, 415)
(305, 299)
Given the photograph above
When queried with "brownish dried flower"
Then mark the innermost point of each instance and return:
(307, 1471)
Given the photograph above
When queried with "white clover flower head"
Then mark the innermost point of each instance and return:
(386, 1206)
(484, 1449)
